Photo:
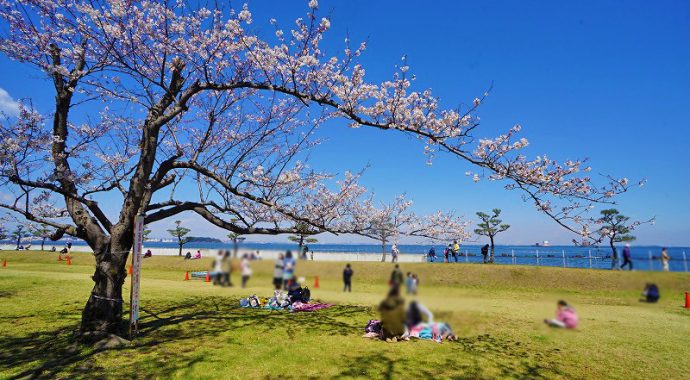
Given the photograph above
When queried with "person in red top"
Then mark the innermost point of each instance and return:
(565, 317)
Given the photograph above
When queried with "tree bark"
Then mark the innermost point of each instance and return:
(383, 251)
(179, 253)
(103, 311)
(491, 257)
(43, 242)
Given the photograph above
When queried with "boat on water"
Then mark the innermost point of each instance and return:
(545, 243)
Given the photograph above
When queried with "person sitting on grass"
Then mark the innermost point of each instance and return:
(565, 317)
(148, 253)
(392, 311)
(650, 293)
(188, 256)
(416, 314)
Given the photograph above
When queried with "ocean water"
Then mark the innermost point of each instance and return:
(644, 257)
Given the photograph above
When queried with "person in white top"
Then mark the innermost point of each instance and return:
(394, 252)
(245, 269)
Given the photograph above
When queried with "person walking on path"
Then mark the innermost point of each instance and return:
(397, 279)
(394, 253)
(626, 258)
(278, 272)
(446, 252)
(432, 254)
(485, 252)
(456, 250)
(665, 258)
(347, 278)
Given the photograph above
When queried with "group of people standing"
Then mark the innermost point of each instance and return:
(452, 250)
(223, 267)
(284, 271)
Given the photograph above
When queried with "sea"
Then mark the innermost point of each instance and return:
(644, 257)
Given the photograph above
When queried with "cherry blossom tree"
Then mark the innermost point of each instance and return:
(391, 221)
(174, 98)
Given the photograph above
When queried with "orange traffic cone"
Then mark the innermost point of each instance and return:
(687, 300)
(129, 270)
(69, 260)
(208, 277)
(186, 276)
(316, 282)
(4, 263)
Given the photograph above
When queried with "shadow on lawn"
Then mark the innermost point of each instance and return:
(172, 331)
(50, 354)
(506, 357)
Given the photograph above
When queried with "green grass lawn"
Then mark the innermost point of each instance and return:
(195, 330)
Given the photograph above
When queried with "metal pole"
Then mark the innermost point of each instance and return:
(513, 253)
(467, 257)
(685, 261)
(563, 251)
(651, 263)
(590, 259)
(537, 257)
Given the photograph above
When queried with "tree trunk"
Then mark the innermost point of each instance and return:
(491, 257)
(179, 253)
(43, 242)
(103, 311)
(235, 247)
(383, 251)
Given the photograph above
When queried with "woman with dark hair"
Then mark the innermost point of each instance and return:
(565, 317)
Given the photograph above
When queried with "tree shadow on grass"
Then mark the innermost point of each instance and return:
(51, 354)
(172, 331)
(505, 358)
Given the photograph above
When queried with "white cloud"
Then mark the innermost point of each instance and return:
(8, 105)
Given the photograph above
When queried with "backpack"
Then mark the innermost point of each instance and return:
(299, 294)
(374, 325)
(254, 301)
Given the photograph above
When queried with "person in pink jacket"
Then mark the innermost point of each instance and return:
(565, 317)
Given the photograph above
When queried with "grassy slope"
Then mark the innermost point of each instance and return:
(192, 329)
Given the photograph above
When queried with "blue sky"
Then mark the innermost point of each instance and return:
(606, 80)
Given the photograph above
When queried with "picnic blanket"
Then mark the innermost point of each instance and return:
(431, 331)
(312, 306)
(280, 301)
